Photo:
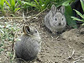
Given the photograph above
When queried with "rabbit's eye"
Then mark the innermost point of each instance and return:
(62, 18)
(35, 31)
(55, 19)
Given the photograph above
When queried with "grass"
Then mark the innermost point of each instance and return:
(40, 5)
(13, 5)
(2, 5)
(10, 5)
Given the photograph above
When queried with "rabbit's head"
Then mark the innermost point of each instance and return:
(31, 31)
(57, 17)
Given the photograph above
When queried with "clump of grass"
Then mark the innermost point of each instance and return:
(40, 5)
(2, 5)
(13, 5)
(43, 4)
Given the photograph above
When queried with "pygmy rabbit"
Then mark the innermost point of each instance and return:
(55, 20)
(29, 45)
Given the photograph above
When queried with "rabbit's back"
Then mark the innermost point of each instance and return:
(27, 48)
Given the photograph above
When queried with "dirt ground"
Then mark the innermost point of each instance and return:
(67, 47)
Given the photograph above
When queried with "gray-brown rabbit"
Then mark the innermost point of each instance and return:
(55, 20)
(29, 45)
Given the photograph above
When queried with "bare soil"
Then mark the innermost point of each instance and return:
(67, 47)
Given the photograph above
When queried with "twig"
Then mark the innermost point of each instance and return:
(15, 17)
(77, 59)
(41, 12)
(57, 37)
(13, 56)
(73, 52)
(33, 16)
(70, 57)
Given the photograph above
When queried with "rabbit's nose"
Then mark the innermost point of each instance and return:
(59, 23)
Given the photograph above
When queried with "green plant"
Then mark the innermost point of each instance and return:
(60, 2)
(13, 5)
(80, 14)
(43, 4)
(27, 5)
(2, 5)
(38, 4)
(69, 13)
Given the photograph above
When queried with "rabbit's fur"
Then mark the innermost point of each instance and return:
(55, 20)
(29, 45)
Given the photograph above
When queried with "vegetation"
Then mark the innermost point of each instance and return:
(41, 5)
(69, 13)
(81, 15)
(14, 5)
(7, 33)
(10, 5)
(2, 5)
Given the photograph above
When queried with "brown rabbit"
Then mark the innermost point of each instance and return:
(29, 45)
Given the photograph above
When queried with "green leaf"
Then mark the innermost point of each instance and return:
(41, 2)
(47, 3)
(16, 9)
(79, 14)
(12, 3)
(2, 5)
(82, 4)
(18, 3)
(7, 3)
(31, 4)
(83, 24)
(68, 14)
(37, 3)
(74, 18)
(66, 3)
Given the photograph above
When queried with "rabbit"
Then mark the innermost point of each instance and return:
(55, 20)
(29, 45)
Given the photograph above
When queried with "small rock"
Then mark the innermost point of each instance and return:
(35, 62)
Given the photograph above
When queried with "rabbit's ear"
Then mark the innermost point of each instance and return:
(23, 29)
(53, 10)
(26, 29)
(62, 9)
